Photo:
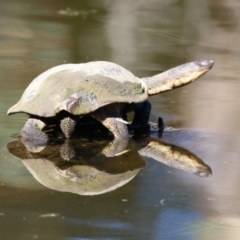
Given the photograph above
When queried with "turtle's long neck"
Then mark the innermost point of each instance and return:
(177, 77)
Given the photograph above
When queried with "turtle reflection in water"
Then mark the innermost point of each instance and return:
(103, 90)
(89, 171)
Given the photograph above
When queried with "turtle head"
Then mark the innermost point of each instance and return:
(191, 71)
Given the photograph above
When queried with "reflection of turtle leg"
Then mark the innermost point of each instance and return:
(31, 133)
(112, 120)
(67, 126)
(116, 147)
(66, 151)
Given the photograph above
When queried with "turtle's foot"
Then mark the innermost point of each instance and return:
(32, 137)
(140, 131)
(67, 126)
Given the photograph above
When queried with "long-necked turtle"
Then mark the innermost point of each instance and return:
(100, 89)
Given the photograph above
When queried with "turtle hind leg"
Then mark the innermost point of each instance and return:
(32, 136)
(140, 123)
(67, 126)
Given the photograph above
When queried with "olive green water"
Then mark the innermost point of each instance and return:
(146, 37)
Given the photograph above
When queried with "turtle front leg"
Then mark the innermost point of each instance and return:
(67, 126)
(32, 136)
(110, 118)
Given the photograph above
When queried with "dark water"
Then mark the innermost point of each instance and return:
(146, 37)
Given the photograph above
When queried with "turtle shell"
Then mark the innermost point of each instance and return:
(80, 89)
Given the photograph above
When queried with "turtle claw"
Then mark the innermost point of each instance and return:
(122, 121)
(123, 152)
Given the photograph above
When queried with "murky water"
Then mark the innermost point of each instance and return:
(154, 200)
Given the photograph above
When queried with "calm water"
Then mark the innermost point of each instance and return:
(146, 37)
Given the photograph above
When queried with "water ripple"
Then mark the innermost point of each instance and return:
(13, 62)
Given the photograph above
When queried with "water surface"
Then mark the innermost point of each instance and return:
(146, 37)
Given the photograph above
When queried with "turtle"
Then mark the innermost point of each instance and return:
(100, 89)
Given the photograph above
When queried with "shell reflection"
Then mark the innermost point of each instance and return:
(78, 166)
